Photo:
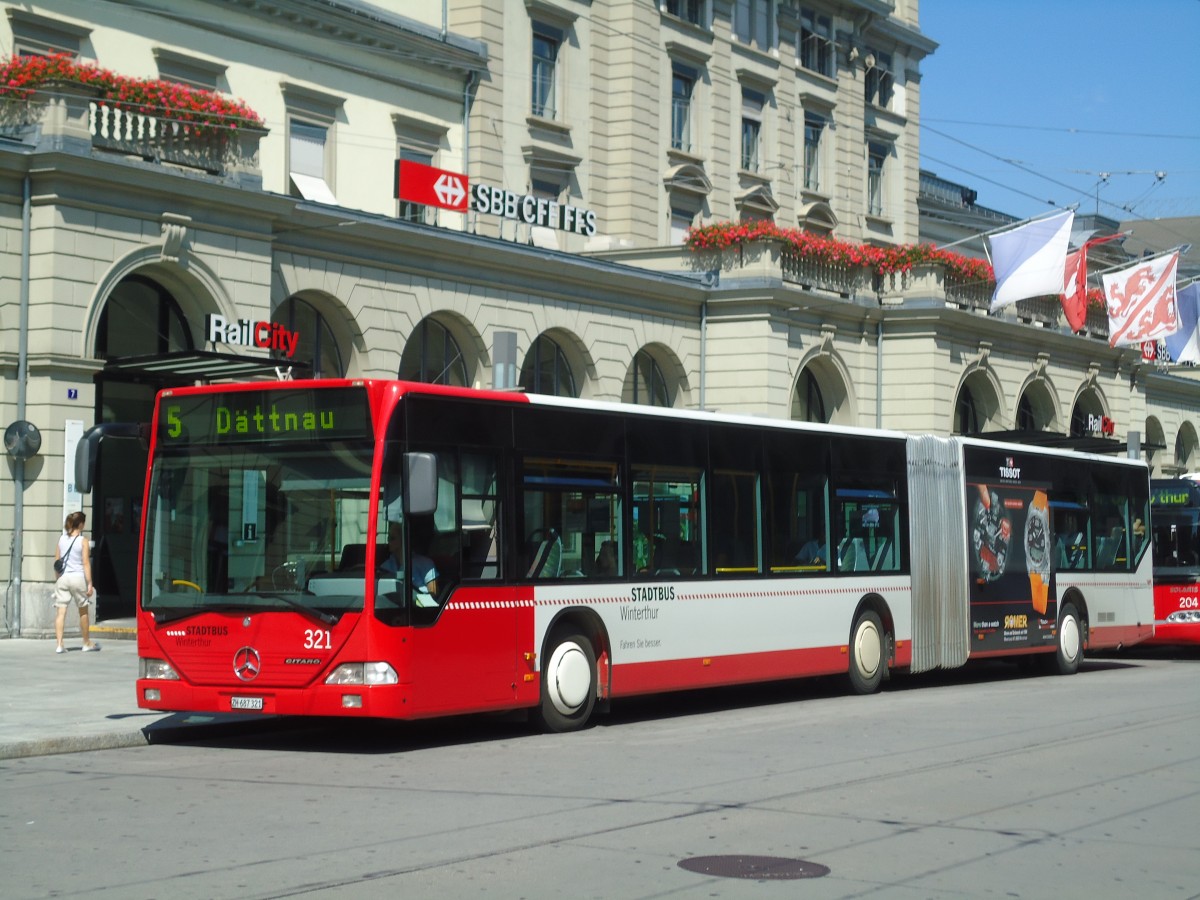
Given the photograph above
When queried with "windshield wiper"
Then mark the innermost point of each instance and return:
(319, 615)
(174, 614)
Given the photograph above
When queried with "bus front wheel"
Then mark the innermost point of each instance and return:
(867, 662)
(1070, 643)
(568, 682)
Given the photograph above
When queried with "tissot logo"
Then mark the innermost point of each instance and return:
(1010, 470)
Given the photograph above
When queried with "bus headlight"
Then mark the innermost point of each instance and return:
(156, 668)
(1184, 617)
(363, 673)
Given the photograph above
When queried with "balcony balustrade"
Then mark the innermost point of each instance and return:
(69, 117)
(818, 274)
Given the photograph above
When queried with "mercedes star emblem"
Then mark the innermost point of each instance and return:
(247, 664)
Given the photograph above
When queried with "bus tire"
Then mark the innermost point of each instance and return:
(568, 682)
(1070, 644)
(867, 659)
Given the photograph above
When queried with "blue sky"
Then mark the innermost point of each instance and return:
(1028, 101)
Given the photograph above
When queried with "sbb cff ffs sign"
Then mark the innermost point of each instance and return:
(419, 183)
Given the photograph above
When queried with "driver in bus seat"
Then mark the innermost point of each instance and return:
(815, 553)
(424, 575)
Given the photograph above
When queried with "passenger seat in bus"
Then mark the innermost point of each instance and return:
(854, 557)
(883, 561)
(547, 559)
(481, 557)
(1107, 548)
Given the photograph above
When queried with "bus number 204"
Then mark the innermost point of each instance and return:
(316, 639)
(1192, 602)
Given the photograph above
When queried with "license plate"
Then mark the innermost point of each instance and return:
(246, 703)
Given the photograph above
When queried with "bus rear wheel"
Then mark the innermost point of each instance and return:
(568, 682)
(867, 657)
(1070, 641)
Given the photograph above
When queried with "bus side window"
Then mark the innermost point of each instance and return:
(480, 518)
(667, 540)
(570, 512)
(735, 529)
(796, 501)
(1071, 524)
(868, 529)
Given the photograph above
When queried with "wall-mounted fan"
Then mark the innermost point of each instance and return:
(22, 439)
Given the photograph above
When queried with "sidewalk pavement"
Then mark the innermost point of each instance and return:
(73, 701)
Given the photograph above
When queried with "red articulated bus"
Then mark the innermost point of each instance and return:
(1175, 506)
(389, 549)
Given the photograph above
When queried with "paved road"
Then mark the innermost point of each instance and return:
(977, 783)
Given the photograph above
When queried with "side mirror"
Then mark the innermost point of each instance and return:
(420, 484)
(89, 448)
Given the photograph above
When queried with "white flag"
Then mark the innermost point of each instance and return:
(1029, 260)
(1141, 301)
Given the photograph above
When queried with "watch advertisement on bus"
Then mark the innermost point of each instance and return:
(1013, 598)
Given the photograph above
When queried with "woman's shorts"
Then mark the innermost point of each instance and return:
(71, 587)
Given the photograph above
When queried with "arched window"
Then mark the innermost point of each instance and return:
(141, 319)
(317, 345)
(433, 356)
(649, 384)
(546, 370)
(1026, 420)
(966, 413)
(808, 403)
(1087, 406)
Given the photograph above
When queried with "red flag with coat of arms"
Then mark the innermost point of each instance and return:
(1074, 295)
(1141, 301)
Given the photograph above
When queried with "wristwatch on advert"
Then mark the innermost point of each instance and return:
(1037, 550)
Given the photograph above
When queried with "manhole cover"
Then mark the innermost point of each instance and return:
(779, 868)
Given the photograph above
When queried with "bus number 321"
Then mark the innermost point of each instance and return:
(316, 639)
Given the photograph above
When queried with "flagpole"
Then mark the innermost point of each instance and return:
(1181, 249)
(1006, 227)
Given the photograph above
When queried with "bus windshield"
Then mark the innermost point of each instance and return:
(247, 526)
(1176, 541)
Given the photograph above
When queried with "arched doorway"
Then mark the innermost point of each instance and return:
(140, 319)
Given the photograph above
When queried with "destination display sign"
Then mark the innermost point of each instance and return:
(288, 415)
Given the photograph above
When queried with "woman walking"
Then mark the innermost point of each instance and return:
(74, 581)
